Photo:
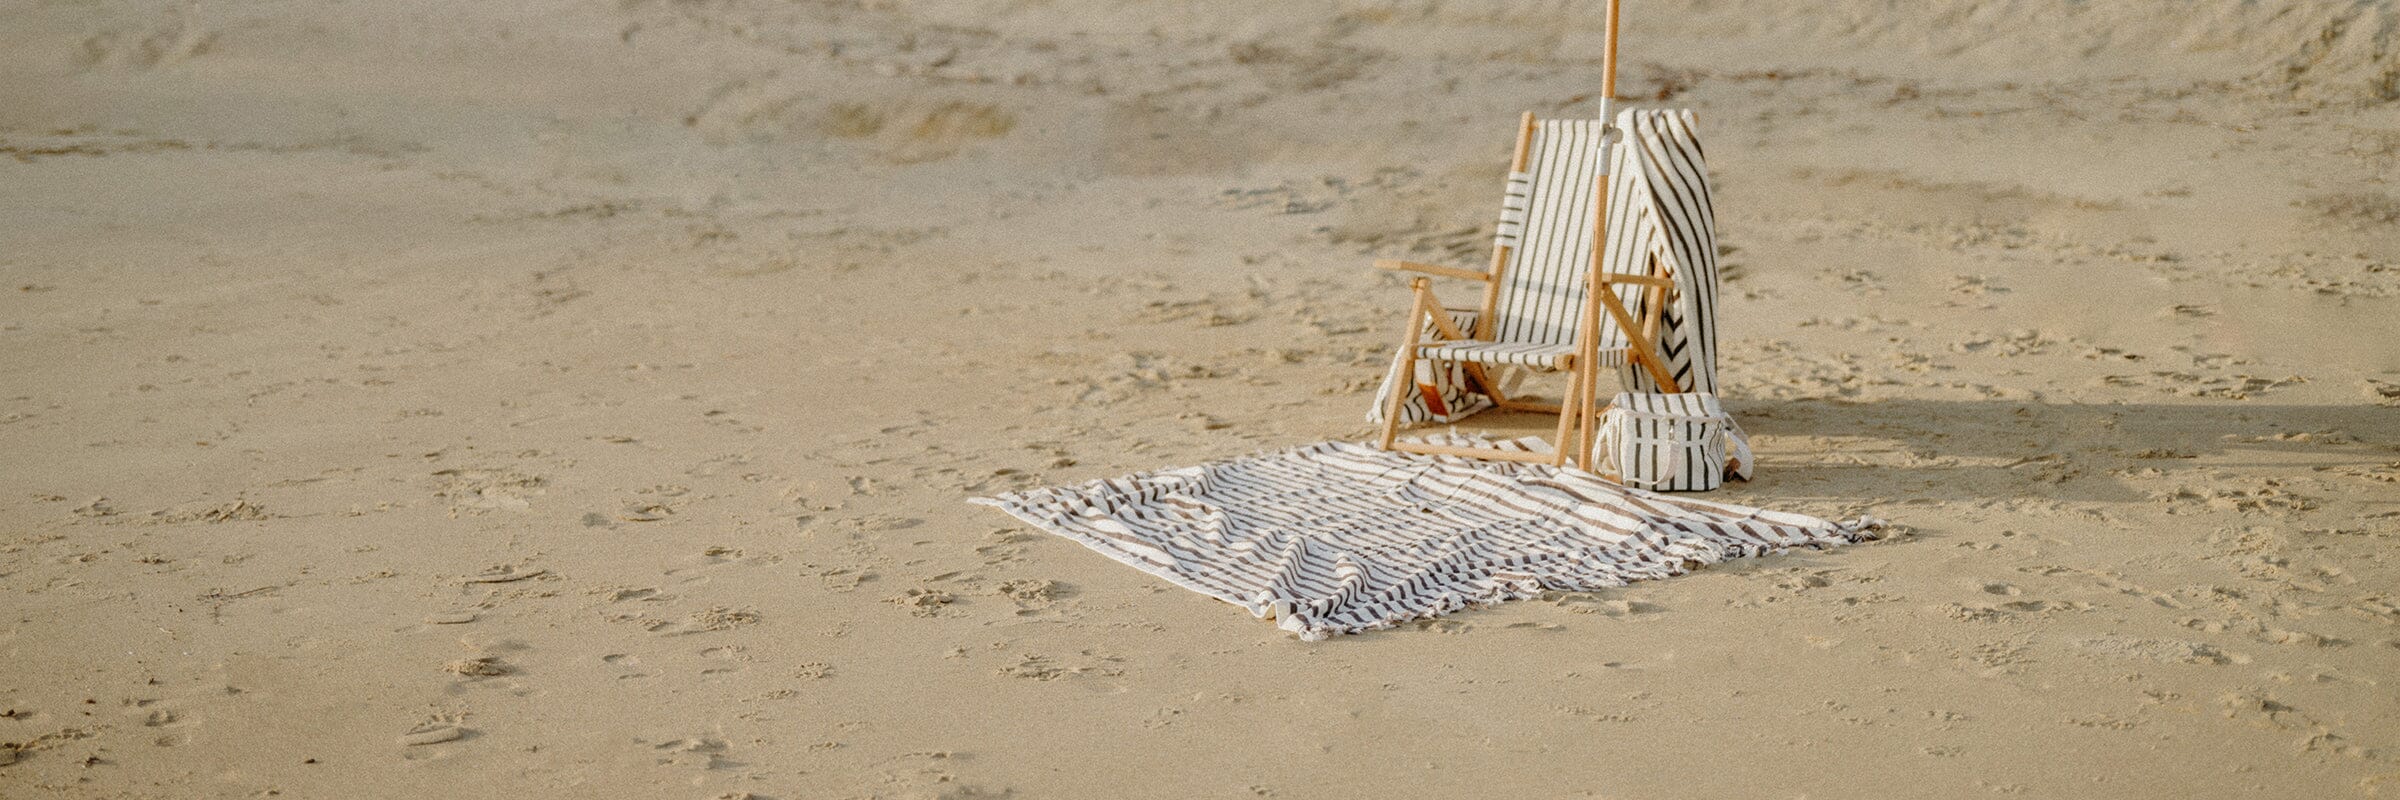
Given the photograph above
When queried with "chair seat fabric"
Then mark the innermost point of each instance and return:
(1514, 354)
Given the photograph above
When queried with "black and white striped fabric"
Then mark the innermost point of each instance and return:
(1339, 537)
(1438, 393)
(1546, 218)
(1682, 442)
(1514, 200)
(1660, 207)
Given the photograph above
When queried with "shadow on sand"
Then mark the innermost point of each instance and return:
(1944, 450)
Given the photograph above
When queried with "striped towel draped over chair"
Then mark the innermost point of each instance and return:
(1659, 207)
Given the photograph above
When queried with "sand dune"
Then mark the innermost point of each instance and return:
(564, 399)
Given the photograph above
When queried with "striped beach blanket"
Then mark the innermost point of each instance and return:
(1343, 537)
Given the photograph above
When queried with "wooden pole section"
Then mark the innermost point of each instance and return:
(1524, 142)
(1588, 345)
(1499, 268)
(1578, 391)
(1588, 411)
(1608, 56)
(1406, 379)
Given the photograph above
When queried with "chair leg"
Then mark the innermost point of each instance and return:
(1567, 416)
(1590, 416)
(1406, 379)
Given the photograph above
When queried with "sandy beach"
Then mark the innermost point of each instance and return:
(547, 399)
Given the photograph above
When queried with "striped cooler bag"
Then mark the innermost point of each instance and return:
(1670, 442)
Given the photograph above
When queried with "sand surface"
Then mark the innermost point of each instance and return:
(544, 399)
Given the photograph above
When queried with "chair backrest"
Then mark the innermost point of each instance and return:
(1546, 219)
(1660, 208)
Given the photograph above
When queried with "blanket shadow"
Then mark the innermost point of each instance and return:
(1965, 450)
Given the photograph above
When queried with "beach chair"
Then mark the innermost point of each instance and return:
(1539, 310)
(1639, 185)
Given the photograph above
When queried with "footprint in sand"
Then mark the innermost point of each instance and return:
(1006, 545)
(478, 667)
(1162, 717)
(154, 714)
(2299, 638)
(713, 618)
(1042, 667)
(627, 666)
(732, 655)
(695, 751)
(843, 580)
(923, 602)
(432, 732)
(1034, 595)
(2164, 651)
(503, 573)
(1607, 608)
(166, 42)
(624, 594)
(472, 491)
(690, 568)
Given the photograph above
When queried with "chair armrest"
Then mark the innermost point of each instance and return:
(1396, 265)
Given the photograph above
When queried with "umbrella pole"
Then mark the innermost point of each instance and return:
(1608, 56)
(1589, 355)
